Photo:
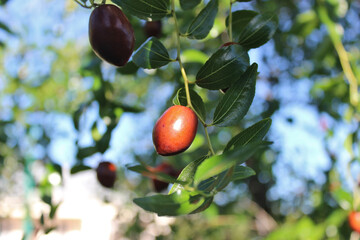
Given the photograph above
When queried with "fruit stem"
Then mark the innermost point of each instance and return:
(209, 141)
(230, 22)
(335, 37)
(82, 4)
(183, 73)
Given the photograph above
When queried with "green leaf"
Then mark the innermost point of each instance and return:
(151, 54)
(53, 210)
(224, 178)
(259, 30)
(42, 219)
(48, 230)
(193, 55)
(203, 22)
(253, 133)
(85, 152)
(189, 4)
(79, 168)
(239, 21)
(187, 174)
(223, 68)
(175, 204)
(219, 163)
(196, 102)
(149, 10)
(243, 0)
(242, 172)
(5, 28)
(129, 69)
(305, 23)
(237, 99)
(146, 171)
(47, 199)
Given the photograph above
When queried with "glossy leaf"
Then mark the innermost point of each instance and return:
(147, 10)
(223, 68)
(196, 101)
(187, 174)
(204, 21)
(151, 54)
(239, 21)
(147, 171)
(237, 100)
(242, 172)
(224, 178)
(253, 133)
(79, 168)
(219, 163)
(175, 204)
(259, 30)
(189, 4)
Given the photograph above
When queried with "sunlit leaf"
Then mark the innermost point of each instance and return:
(151, 54)
(193, 55)
(175, 204)
(237, 100)
(147, 10)
(219, 163)
(187, 174)
(223, 68)
(204, 21)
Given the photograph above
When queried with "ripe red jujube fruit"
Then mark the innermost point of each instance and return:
(111, 35)
(106, 174)
(167, 169)
(175, 130)
(354, 221)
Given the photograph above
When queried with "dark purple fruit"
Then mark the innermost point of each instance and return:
(106, 174)
(111, 35)
(153, 29)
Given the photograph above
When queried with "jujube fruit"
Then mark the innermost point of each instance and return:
(167, 169)
(111, 35)
(175, 130)
(106, 174)
(153, 29)
(354, 221)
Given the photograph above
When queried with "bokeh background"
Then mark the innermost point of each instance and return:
(62, 111)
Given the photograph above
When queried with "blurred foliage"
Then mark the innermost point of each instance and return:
(77, 82)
